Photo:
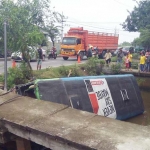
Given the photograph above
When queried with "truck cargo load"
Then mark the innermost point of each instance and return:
(77, 41)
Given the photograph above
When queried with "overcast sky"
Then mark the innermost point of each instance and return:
(97, 15)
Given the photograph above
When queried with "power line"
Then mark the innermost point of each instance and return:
(94, 22)
(122, 3)
(89, 25)
(96, 27)
(90, 22)
(123, 34)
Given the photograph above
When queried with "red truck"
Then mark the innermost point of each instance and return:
(77, 41)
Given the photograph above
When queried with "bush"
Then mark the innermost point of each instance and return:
(94, 66)
(134, 65)
(18, 75)
(63, 70)
(101, 62)
(1, 78)
(135, 56)
(115, 68)
(114, 59)
(140, 81)
(75, 71)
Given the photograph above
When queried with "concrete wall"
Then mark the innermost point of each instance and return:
(58, 126)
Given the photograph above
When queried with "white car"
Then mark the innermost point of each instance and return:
(44, 54)
(17, 56)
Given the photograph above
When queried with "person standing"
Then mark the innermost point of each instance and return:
(127, 63)
(142, 62)
(96, 52)
(40, 58)
(89, 52)
(130, 60)
(108, 57)
(147, 66)
(120, 56)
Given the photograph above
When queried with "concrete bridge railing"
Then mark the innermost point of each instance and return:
(58, 126)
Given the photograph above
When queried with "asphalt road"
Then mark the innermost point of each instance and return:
(45, 64)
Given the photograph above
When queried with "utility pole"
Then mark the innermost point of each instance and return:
(115, 31)
(5, 51)
(62, 25)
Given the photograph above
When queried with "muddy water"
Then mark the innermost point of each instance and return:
(143, 119)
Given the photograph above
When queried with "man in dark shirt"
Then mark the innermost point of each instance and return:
(89, 52)
(40, 57)
(120, 56)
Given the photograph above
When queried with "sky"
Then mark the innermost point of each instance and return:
(97, 15)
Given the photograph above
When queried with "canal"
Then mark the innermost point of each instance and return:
(144, 119)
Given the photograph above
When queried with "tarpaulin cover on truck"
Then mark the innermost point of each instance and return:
(114, 96)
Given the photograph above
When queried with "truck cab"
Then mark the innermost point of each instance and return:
(71, 46)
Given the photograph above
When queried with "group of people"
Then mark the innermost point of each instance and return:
(145, 61)
(120, 58)
(90, 51)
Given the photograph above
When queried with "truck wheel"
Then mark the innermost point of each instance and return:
(65, 58)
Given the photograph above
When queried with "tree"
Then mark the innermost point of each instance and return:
(145, 37)
(53, 32)
(136, 42)
(125, 44)
(25, 18)
(139, 17)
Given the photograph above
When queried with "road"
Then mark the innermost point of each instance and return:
(45, 64)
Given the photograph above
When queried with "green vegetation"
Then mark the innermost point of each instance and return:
(125, 44)
(94, 66)
(136, 56)
(22, 74)
(114, 59)
(62, 71)
(139, 17)
(26, 21)
(115, 68)
(140, 81)
(18, 75)
(134, 65)
(139, 20)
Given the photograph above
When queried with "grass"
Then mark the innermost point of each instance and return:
(62, 71)
(93, 66)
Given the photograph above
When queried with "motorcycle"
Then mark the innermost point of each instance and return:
(52, 54)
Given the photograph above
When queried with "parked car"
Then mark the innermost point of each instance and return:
(139, 49)
(2, 54)
(127, 49)
(17, 56)
(44, 54)
(116, 51)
